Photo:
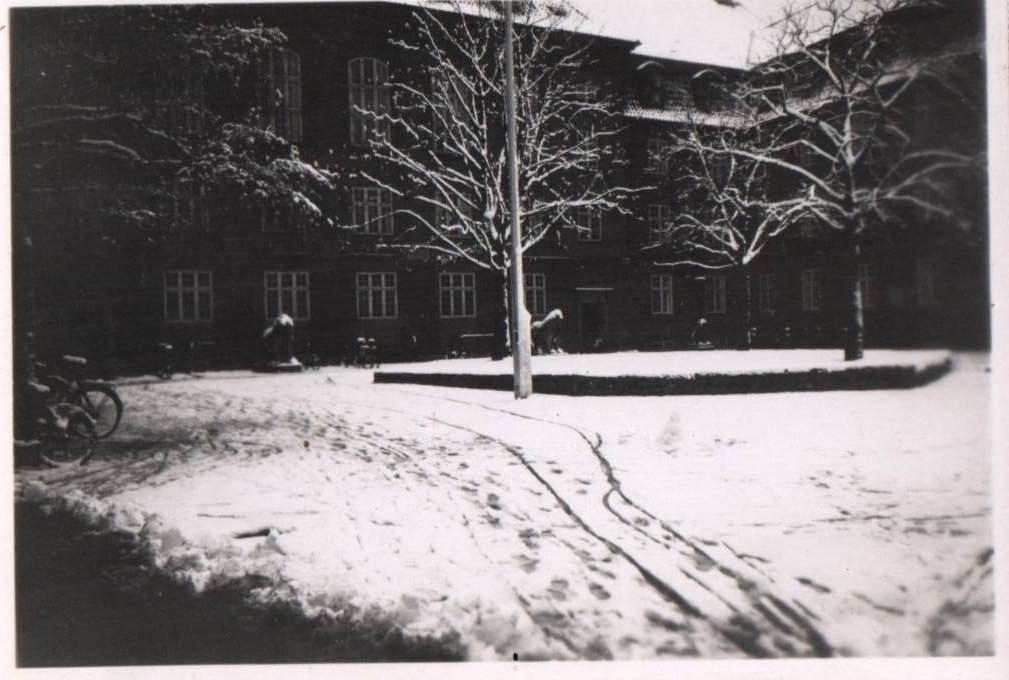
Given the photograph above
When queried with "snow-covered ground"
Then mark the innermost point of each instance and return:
(561, 527)
(685, 363)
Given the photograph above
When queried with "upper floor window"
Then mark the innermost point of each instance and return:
(590, 224)
(659, 216)
(868, 284)
(812, 294)
(282, 101)
(536, 293)
(662, 294)
(189, 207)
(369, 99)
(373, 210)
(376, 295)
(659, 151)
(924, 274)
(188, 296)
(452, 213)
(286, 293)
(449, 111)
(457, 293)
(714, 294)
(764, 287)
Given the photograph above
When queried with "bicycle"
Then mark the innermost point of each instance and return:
(98, 400)
(59, 433)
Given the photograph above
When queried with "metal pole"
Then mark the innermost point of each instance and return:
(520, 342)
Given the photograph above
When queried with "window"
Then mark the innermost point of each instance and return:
(286, 293)
(868, 284)
(924, 274)
(714, 294)
(811, 290)
(373, 210)
(659, 216)
(536, 293)
(369, 97)
(449, 109)
(188, 296)
(658, 157)
(458, 295)
(282, 101)
(460, 213)
(764, 292)
(376, 295)
(189, 207)
(590, 224)
(662, 294)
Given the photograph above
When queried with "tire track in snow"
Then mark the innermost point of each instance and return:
(742, 631)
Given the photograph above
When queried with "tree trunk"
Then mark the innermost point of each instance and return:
(501, 344)
(854, 342)
(743, 342)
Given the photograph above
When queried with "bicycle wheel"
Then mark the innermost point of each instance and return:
(74, 445)
(103, 404)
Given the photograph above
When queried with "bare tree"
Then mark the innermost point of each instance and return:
(826, 130)
(445, 134)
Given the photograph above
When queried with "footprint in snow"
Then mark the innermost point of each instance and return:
(597, 590)
(494, 501)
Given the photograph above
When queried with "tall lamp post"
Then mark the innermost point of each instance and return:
(520, 341)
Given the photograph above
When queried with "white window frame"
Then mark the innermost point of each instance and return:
(383, 283)
(292, 283)
(662, 294)
(658, 156)
(458, 289)
(372, 210)
(535, 285)
(189, 207)
(368, 95)
(924, 282)
(590, 223)
(659, 216)
(764, 290)
(812, 289)
(283, 102)
(868, 284)
(714, 294)
(203, 295)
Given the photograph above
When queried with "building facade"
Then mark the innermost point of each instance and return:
(227, 268)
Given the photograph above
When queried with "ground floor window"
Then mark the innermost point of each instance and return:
(868, 284)
(188, 296)
(764, 292)
(662, 294)
(925, 282)
(286, 293)
(811, 290)
(457, 294)
(536, 293)
(376, 295)
(714, 294)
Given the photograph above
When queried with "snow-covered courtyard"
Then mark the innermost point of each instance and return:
(850, 523)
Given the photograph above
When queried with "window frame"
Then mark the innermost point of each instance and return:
(285, 118)
(661, 214)
(812, 289)
(383, 287)
(590, 223)
(657, 161)
(534, 285)
(868, 284)
(462, 284)
(293, 288)
(369, 96)
(715, 301)
(199, 291)
(765, 287)
(365, 200)
(662, 293)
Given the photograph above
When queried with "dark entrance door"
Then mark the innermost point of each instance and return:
(591, 323)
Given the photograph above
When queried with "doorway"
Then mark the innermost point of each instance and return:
(591, 324)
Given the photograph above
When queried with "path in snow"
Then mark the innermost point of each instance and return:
(462, 510)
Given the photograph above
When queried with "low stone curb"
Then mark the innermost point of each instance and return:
(812, 380)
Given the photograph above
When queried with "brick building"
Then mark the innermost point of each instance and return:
(229, 267)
